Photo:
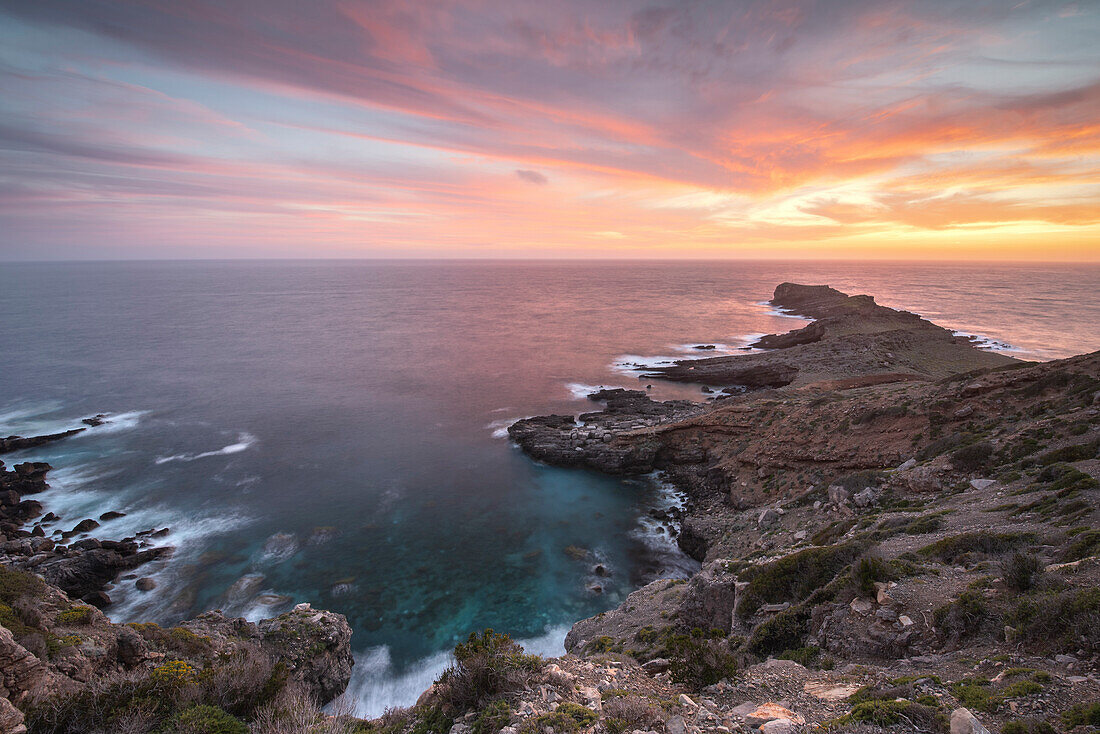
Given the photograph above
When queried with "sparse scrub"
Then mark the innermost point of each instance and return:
(486, 666)
(958, 548)
(1021, 571)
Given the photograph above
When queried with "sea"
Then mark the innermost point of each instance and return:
(335, 432)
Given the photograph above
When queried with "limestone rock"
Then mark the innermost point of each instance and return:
(964, 722)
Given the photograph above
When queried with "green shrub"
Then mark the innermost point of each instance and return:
(794, 577)
(1021, 571)
(699, 662)
(805, 656)
(962, 617)
(1027, 726)
(975, 693)
(890, 713)
(431, 720)
(1084, 545)
(866, 571)
(1022, 688)
(75, 616)
(1065, 620)
(493, 718)
(487, 666)
(173, 673)
(972, 458)
(784, 631)
(1083, 714)
(1079, 452)
(568, 717)
(206, 720)
(955, 548)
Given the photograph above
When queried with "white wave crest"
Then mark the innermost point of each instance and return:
(244, 442)
(581, 391)
(499, 428)
(985, 342)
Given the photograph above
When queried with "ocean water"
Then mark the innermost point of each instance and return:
(334, 432)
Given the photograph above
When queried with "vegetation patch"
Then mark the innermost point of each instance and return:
(969, 546)
(487, 666)
(794, 577)
(1059, 621)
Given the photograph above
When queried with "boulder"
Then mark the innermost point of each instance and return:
(767, 517)
(838, 495)
(964, 722)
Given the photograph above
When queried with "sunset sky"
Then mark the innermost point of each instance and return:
(528, 128)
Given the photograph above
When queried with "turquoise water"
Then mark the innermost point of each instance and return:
(334, 432)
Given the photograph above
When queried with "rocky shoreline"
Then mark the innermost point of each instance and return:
(898, 532)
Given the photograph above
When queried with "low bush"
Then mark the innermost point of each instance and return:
(1058, 621)
(75, 616)
(1078, 452)
(1083, 714)
(206, 720)
(568, 717)
(961, 618)
(627, 713)
(1027, 726)
(914, 716)
(487, 666)
(698, 662)
(976, 694)
(966, 546)
(493, 718)
(794, 577)
(1085, 544)
(866, 571)
(1021, 571)
(973, 457)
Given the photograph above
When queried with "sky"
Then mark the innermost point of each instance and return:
(855, 129)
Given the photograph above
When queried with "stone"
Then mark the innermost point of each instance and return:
(860, 605)
(964, 722)
(676, 725)
(905, 621)
(866, 498)
(826, 691)
(982, 483)
(800, 535)
(769, 712)
(907, 465)
(461, 728)
(656, 665)
(838, 495)
(778, 726)
(924, 479)
(685, 700)
(145, 584)
(767, 517)
(11, 718)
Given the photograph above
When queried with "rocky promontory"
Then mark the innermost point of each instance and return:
(851, 338)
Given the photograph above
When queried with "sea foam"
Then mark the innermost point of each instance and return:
(244, 442)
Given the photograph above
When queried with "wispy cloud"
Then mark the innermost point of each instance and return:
(762, 127)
